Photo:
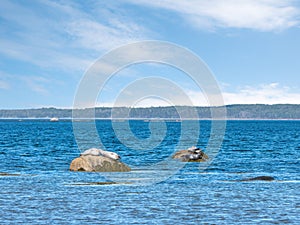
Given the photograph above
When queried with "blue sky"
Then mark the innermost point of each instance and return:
(251, 46)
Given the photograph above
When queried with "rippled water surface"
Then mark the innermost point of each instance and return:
(38, 188)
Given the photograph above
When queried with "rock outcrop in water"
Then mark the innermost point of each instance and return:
(98, 163)
(8, 174)
(192, 154)
(259, 178)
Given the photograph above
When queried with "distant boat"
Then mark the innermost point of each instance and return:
(54, 119)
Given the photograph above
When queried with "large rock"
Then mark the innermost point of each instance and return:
(192, 154)
(91, 163)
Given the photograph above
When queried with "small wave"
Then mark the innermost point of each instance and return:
(288, 181)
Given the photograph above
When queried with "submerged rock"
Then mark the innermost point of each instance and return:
(8, 174)
(262, 178)
(92, 163)
(94, 183)
(100, 183)
(192, 154)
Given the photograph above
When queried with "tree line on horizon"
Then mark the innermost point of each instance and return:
(259, 111)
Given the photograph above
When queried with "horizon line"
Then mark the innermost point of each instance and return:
(141, 107)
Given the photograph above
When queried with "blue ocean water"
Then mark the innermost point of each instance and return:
(46, 192)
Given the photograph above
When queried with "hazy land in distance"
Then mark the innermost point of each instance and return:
(255, 111)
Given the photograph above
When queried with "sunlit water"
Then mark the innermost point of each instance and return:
(46, 192)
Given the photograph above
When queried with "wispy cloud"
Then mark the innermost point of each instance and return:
(4, 81)
(61, 35)
(34, 83)
(4, 85)
(95, 36)
(263, 15)
(37, 84)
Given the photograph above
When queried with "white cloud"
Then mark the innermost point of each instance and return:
(263, 15)
(142, 103)
(273, 93)
(197, 98)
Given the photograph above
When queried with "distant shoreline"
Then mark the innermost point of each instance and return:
(233, 112)
(151, 119)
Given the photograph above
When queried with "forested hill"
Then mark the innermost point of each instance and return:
(281, 111)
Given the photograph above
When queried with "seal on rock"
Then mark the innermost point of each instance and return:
(193, 149)
(97, 152)
(192, 154)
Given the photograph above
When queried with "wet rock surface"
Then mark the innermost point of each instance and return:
(91, 163)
